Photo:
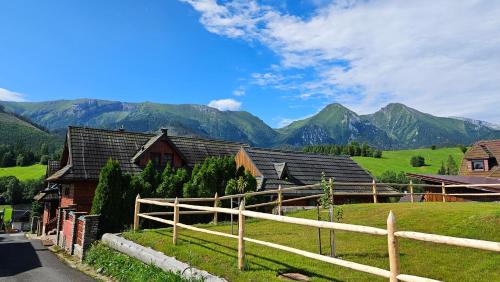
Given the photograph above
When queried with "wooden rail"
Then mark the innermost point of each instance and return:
(391, 232)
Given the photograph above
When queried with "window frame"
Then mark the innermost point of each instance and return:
(483, 167)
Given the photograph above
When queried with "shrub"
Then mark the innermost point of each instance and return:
(433, 147)
(210, 177)
(172, 182)
(417, 161)
(377, 154)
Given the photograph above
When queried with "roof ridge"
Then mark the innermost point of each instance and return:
(110, 130)
(208, 139)
(296, 152)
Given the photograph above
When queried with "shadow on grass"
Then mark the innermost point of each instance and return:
(283, 267)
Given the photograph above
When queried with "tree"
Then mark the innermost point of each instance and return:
(44, 160)
(452, 168)
(210, 177)
(417, 161)
(151, 179)
(14, 192)
(462, 148)
(172, 182)
(108, 197)
(377, 154)
(442, 169)
(8, 159)
(242, 184)
(20, 160)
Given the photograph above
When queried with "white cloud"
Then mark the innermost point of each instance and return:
(437, 56)
(239, 92)
(6, 95)
(225, 104)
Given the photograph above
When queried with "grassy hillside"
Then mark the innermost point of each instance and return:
(14, 130)
(218, 255)
(400, 160)
(8, 212)
(24, 172)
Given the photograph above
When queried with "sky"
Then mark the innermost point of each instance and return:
(279, 60)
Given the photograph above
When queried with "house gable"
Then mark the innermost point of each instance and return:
(481, 159)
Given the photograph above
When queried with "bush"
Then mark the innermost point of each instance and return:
(210, 177)
(433, 147)
(377, 154)
(417, 161)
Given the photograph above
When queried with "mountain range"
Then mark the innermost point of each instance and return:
(395, 126)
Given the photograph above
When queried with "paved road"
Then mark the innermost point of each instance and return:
(28, 260)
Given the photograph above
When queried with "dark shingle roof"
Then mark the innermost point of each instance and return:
(305, 169)
(52, 167)
(90, 149)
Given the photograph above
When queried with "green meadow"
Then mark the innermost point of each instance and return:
(24, 172)
(400, 160)
(218, 255)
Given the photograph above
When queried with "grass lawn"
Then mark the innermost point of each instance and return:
(400, 160)
(24, 172)
(8, 212)
(218, 255)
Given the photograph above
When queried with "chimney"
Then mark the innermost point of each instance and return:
(164, 131)
(121, 129)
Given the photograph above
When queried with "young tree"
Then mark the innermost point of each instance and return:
(107, 200)
(452, 168)
(242, 184)
(442, 169)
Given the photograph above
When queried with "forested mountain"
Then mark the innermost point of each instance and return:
(394, 126)
(15, 130)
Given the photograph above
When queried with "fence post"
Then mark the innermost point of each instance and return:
(333, 251)
(374, 190)
(280, 200)
(241, 235)
(411, 191)
(216, 204)
(392, 247)
(137, 210)
(443, 191)
(176, 220)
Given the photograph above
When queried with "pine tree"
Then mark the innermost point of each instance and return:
(108, 198)
(442, 169)
(452, 166)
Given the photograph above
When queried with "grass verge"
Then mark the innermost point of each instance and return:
(218, 255)
(124, 268)
(24, 172)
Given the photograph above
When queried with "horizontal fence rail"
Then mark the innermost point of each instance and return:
(391, 232)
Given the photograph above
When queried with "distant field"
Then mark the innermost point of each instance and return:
(24, 172)
(400, 160)
(8, 212)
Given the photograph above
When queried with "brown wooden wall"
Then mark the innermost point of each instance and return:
(162, 147)
(242, 159)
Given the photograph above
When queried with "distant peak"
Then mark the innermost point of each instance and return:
(335, 106)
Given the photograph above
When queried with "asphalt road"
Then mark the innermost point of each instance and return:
(28, 260)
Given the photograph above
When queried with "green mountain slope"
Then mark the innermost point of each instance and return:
(15, 130)
(413, 129)
(196, 120)
(395, 126)
(335, 124)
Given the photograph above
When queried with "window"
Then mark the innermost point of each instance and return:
(478, 165)
(167, 159)
(156, 159)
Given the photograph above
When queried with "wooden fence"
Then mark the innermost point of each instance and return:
(394, 273)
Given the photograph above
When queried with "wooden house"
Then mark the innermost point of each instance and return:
(479, 166)
(273, 168)
(86, 150)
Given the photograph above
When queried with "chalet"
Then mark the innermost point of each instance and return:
(72, 181)
(274, 168)
(479, 166)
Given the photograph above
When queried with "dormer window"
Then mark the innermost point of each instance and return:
(477, 165)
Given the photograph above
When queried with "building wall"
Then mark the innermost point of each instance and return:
(78, 194)
(162, 147)
(242, 159)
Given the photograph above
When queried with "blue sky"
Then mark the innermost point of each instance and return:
(278, 60)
